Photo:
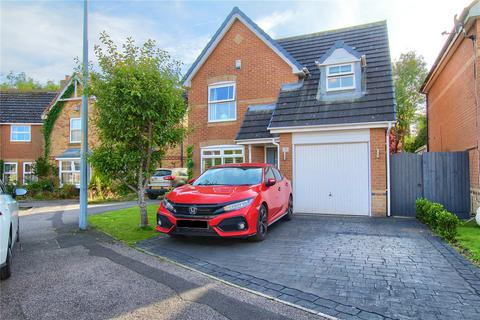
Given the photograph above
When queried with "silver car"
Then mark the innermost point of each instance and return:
(164, 179)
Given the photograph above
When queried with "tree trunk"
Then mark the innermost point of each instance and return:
(141, 201)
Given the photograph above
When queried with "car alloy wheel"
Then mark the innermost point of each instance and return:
(262, 224)
(289, 215)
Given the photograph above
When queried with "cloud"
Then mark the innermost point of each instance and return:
(274, 20)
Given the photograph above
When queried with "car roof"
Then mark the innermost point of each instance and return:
(243, 165)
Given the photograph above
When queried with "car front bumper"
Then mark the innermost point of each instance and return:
(224, 225)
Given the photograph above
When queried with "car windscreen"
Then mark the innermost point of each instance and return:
(233, 176)
(162, 173)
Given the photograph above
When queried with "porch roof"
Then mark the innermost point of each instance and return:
(255, 123)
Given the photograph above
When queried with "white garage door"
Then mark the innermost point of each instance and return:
(332, 178)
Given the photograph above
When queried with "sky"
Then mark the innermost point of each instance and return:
(42, 38)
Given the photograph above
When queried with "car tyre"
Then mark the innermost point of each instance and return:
(5, 271)
(152, 196)
(262, 224)
(289, 215)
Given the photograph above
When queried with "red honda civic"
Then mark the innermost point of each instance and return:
(234, 200)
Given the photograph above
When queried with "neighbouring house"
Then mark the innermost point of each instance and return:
(65, 139)
(453, 113)
(21, 137)
(319, 106)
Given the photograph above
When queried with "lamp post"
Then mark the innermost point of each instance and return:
(82, 221)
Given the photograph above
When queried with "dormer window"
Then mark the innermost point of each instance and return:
(340, 77)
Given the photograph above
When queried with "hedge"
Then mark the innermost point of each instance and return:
(438, 218)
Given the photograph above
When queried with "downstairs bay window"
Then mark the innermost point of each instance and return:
(69, 172)
(217, 155)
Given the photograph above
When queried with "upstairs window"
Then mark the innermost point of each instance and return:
(221, 102)
(20, 133)
(340, 77)
(75, 130)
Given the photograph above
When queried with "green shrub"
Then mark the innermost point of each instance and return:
(68, 191)
(446, 224)
(40, 186)
(440, 220)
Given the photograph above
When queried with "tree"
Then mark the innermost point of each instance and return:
(412, 143)
(21, 82)
(139, 111)
(409, 72)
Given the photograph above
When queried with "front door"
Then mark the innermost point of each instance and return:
(271, 155)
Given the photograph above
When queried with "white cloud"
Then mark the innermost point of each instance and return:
(274, 20)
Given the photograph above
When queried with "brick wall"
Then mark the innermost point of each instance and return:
(453, 123)
(286, 163)
(378, 167)
(60, 137)
(21, 152)
(257, 82)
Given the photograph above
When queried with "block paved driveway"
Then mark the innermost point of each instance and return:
(346, 267)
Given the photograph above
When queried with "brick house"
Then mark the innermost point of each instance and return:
(65, 138)
(319, 106)
(21, 138)
(452, 85)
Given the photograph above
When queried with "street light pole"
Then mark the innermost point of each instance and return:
(82, 221)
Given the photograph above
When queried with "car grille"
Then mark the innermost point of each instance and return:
(201, 209)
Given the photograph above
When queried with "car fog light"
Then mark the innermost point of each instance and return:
(241, 226)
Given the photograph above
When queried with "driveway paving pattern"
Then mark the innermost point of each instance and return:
(347, 267)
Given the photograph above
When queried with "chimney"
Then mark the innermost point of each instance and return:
(62, 82)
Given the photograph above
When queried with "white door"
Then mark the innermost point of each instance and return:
(332, 178)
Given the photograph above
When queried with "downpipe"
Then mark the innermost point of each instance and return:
(388, 168)
(278, 152)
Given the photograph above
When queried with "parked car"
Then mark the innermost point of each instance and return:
(9, 228)
(234, 200)
(163, 179)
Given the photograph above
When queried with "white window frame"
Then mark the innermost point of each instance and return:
(340, 75)
(29, 172)
(234, 99)
(21, 125)
(222, 154)
(10, 172)
(72, 169)
(71, 120)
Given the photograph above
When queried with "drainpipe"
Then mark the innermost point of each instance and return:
(278, 152)
(388, 168)
(249, 153)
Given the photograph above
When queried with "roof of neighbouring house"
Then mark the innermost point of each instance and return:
(300, 107)
(255, 123)
(24, 107)
(235, 14)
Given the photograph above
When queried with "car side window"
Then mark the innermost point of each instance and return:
(269, 174)
(278, 175)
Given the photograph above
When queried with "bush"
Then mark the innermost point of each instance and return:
(440, 220)
(40, 186)
(68, 191)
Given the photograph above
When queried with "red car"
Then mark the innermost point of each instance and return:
(234, 200)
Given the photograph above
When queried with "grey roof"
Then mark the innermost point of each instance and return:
(237, 11)
(255, 123)
(300, 107)
(70, 154)
(24, 107)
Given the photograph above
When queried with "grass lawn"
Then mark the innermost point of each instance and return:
(123, 224)
(469, 238)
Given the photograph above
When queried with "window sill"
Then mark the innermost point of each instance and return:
(220, 122)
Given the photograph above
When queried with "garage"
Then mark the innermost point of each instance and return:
(332, 172)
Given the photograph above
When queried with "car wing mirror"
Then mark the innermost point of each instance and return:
(20, 192)
(270, 182)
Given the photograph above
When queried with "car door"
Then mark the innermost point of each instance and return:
(272, 195)
(282, 188)
(8, 216)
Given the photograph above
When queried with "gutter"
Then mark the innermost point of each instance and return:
(388, 169)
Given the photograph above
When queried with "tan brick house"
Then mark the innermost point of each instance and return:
(452, 87)
(21, 138)
(319, 106)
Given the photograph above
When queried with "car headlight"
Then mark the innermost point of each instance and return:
(168, 205)
(238, 205)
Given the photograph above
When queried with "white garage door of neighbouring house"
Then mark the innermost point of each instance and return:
(332, 178)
